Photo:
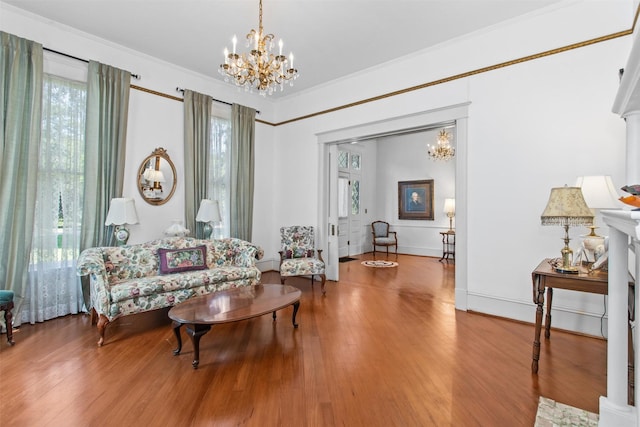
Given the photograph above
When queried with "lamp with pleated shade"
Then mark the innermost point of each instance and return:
(122, 211)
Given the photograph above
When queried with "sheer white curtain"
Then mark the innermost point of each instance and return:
(219, 177)
(53, 288)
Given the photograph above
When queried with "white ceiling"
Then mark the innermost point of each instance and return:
(329, 38)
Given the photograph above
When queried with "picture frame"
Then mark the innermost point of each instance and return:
(415, 199)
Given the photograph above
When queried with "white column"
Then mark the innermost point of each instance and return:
(614, 410)
(633, 147)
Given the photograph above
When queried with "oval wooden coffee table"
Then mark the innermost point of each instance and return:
(230, 305)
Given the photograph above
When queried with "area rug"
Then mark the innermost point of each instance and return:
(551, 414)
(379, 264)
(346, 259)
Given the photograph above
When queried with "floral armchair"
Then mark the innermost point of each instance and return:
(298, 256)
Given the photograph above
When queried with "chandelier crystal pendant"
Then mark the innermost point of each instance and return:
(259, 68)
(443, 150)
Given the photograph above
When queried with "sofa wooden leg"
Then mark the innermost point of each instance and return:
(94, 316)
(324, 279)
(102, 325)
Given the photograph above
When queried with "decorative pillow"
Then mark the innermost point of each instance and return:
(185, 259)
(299, 253)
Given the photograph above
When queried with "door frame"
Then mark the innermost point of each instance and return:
(457, 113)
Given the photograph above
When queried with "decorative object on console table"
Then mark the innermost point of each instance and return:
(122, 211)
(634, 198)
(209, 212)
(566, 206)
(450, 210)
(599, 193)
(176, 229)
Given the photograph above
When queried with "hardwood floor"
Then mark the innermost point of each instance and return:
(384, 347)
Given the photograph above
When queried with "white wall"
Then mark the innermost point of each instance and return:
(531, 127)
(404, 158)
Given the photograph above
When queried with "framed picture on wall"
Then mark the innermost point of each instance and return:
(415, 199)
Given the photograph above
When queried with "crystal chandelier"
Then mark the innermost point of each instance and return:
(259, 68)
(443, 151)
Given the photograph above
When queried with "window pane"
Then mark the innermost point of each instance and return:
(355, 198)
(219, 161)
(343, 197)
(355, 161)
(343, 160)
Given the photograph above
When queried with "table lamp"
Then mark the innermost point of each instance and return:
(121, 211)
(599, 193)
(450, 210)
(209, 212)
(155, 178)
(566, 206)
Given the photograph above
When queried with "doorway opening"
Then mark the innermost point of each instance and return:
(329, 145)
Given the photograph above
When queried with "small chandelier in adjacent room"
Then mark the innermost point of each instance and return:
(259, 68)
(443, 151)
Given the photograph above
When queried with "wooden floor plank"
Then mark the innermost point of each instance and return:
(383, 347)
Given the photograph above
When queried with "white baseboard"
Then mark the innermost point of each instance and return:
(612, 415)
(561, 317)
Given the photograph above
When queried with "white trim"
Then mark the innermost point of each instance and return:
(457, 113)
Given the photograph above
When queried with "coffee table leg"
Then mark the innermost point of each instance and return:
(196, 332)
(296, 306)
(176, 331)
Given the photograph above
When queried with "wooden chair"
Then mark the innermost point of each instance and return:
(383, 237)
(6, 305)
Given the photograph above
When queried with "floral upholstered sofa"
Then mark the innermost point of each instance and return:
(136, 278)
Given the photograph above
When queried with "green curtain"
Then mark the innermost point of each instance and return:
(197, 141)
(243, 123)
(21, 63)
(105, 146)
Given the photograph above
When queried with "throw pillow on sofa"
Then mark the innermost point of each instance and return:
(185, 259)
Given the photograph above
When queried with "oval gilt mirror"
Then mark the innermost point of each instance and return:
(157, 178)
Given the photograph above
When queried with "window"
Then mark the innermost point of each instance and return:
(53, 285)
(219, 177)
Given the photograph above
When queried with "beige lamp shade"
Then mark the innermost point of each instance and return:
(566, 206)
(209, 211)
(122, 211)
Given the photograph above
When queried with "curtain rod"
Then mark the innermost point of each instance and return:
(179, 89)
(135, 76)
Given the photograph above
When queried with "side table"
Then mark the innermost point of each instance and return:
(545, 277)
(448, 245)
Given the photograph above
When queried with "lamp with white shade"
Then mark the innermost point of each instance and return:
(122, 211)
(599, 193)
(450, 210)
(155, 177)
(209, 212)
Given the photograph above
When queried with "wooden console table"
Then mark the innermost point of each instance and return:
(545, 277)
(448, 245)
